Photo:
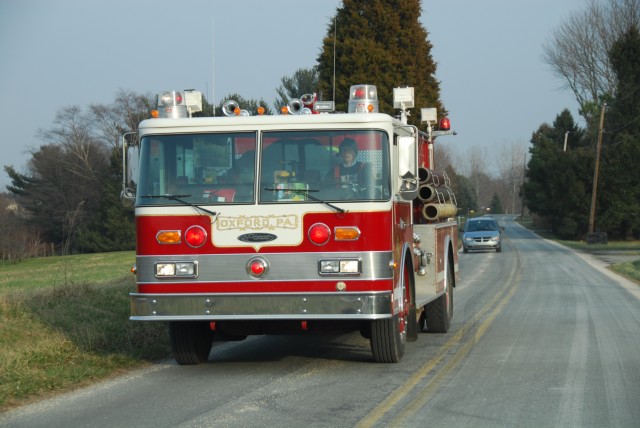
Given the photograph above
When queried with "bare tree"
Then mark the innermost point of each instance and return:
(443, 157)
(474, 167)
(124, 115)
(511, 163)
(578, 51)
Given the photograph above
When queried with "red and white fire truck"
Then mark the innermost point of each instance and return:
(302, 222)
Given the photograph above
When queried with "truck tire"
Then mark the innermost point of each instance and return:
(190, 341)
(438, 314)
(389, 335)
(412, 314)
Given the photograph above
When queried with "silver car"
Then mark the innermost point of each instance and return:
(482, 233)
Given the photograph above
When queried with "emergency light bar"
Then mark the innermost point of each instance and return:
(176, 104)
(363, 99)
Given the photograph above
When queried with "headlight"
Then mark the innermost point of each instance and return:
(340, 266)
(176, 269)
(495, 238)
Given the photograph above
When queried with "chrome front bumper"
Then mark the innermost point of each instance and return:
(263, 306)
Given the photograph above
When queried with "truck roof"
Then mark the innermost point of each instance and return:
(250, 122)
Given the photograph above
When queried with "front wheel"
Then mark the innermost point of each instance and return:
(387, 339)
(389, 335)
(190, 341)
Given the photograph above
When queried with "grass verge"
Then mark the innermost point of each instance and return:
(630, 270)
(73, 331)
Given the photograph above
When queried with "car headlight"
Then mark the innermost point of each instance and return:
(495, 238)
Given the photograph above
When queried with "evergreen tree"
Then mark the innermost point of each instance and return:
(618, 195)
(557, 185)
(304, 81)
(380, 43)
(111, 226)
(496, 205)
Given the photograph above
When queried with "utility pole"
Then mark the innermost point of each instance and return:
(595, 171)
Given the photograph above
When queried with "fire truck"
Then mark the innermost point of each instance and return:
(303, 222)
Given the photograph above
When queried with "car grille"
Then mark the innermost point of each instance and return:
(482, 239)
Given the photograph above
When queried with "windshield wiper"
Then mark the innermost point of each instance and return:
(177, 198)
(306, 193)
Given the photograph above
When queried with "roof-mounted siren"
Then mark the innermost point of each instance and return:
(403, 99)
(178, 104)
(363, 99)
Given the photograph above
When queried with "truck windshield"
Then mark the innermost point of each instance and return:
(215, 168)
(341, 165)
(295, 166)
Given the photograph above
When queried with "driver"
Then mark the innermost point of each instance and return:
(349, 172)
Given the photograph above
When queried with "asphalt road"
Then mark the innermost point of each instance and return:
(542, 337)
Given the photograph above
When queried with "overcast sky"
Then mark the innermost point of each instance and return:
(60, 53)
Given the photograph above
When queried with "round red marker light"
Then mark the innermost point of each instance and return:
(319, 234)
(257, 267)
(360, 93)
(195, 236)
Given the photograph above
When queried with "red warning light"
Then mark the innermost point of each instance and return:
(319, 234)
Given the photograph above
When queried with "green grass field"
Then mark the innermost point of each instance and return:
(64, 323)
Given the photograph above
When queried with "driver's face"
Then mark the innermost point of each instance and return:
(348, 156)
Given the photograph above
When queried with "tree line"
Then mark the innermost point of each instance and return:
(597, 54)
(66, 199)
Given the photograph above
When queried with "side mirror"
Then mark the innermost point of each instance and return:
(130, 159)
(128, 198)
(408, 167)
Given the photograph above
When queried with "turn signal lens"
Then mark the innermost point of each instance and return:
(319, 234)
(169, 237)
(350, 233)
(195, 236)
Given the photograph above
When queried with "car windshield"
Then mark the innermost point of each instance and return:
(477, 226)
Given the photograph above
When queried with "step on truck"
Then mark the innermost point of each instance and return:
(302, 222)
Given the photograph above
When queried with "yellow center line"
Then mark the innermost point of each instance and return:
(505, 294)
(427, 392)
